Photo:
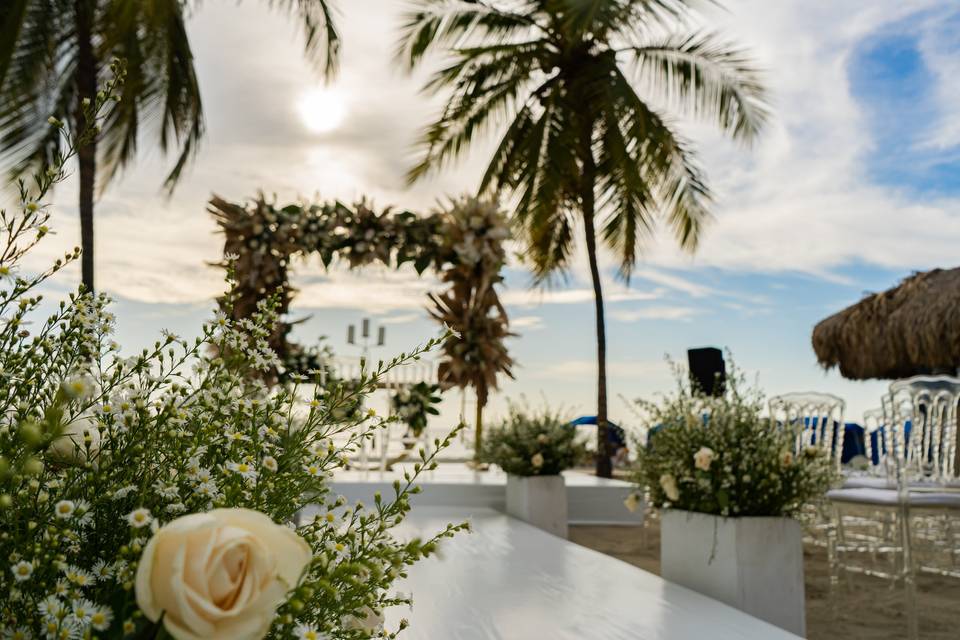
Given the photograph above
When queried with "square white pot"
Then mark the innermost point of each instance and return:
(753, 564)
(540, 501)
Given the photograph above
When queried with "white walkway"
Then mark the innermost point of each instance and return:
(510, 581)
(590, 500)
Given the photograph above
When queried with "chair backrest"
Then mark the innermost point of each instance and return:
(817, 419)
(923, 413)
(873, 423)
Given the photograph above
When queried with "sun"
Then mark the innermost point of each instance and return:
(322, 110)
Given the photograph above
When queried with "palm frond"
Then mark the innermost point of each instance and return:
(29, 92)
(666, 163)
(321, 38)
(439, 23)
(488, 83)
(708, 78)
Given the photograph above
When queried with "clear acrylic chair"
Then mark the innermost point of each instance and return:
(817, 419)
(913, 516)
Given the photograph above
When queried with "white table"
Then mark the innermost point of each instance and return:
(510, 581)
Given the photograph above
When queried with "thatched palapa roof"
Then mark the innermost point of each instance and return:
(909, 330)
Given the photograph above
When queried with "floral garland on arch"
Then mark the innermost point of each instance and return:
(475, 355)
(464, 244)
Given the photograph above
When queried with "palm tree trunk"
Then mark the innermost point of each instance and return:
(87, 154)
(588, 203)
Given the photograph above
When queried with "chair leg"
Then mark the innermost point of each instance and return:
(834, 533)
(909, 575)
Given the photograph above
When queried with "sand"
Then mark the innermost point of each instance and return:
(867, 608)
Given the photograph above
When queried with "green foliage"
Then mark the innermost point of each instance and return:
(415, 404)
(98, 449)
(529, 443)
(721, 456)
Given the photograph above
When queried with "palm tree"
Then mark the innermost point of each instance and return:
(52, 55)
(583, 86)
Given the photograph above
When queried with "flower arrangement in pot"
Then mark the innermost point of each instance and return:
(731, 486)
(172, 493)
(534, 448)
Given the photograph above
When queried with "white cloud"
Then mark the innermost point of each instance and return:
(803, 201)
(587, 369)
(527, 323)
(537, 297)
(403, 318)
(655, 313)
(372, 289)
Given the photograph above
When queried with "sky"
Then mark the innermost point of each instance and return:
(854, 185)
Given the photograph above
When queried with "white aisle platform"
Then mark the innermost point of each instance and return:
(510, 581)
(590, 500)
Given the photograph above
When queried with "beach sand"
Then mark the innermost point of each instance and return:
(868, 608)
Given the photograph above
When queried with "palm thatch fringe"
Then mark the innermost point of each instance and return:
(909, 330)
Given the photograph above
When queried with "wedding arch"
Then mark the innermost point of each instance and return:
(463, 244)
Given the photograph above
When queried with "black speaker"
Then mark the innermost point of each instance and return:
(708, 372)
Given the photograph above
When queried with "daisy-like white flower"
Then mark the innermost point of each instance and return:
(166, 491)
(103, 570)
(83, 515)
(79, 577)
(139, 518)
(269, 463)
(22, 570)
(245, 469)
(320, 448)
(124, 491)
(313, 470)
(83, 610)
(208, 489)
(61, 588)
(309, 632)
(268, 433)
(69, 629)
(64, 509)
(101, 619)
(338, 549)
(20, 633)
(52, 608)
(236, 436)
(77, 387)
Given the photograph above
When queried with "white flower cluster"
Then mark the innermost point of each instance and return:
(722, 456)
(529, 443)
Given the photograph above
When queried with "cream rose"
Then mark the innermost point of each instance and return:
(669, 485)
(220, 574)
(703, 458)
(72, 444)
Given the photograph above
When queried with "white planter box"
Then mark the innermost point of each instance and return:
(753, 564)
(540, 501)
